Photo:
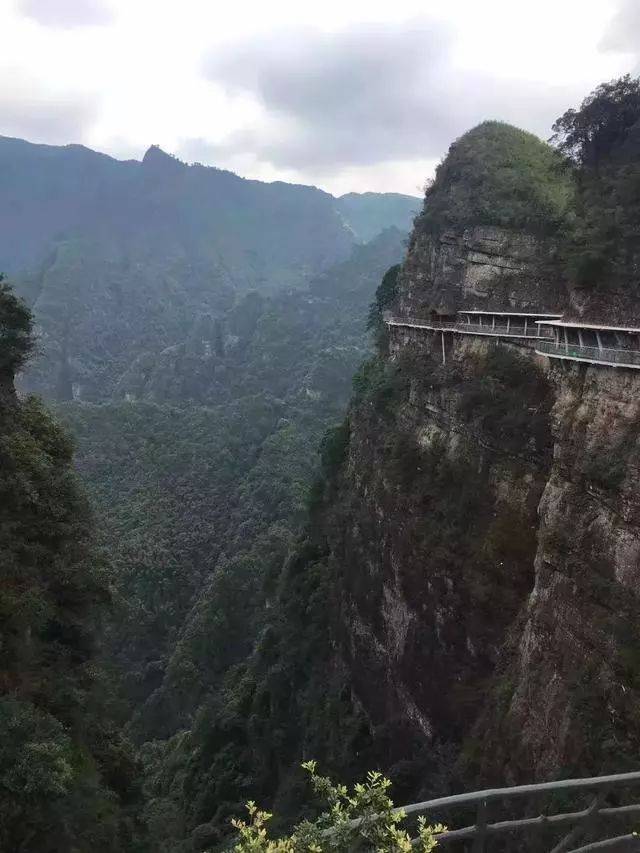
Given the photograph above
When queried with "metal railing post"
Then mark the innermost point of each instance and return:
(481, 827)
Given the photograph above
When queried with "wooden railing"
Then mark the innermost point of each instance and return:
(585, 820)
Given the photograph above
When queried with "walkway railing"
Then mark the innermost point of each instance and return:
(532, 331)
(622, 357)
(578, 822)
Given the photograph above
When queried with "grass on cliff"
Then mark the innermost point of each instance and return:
(497, 174)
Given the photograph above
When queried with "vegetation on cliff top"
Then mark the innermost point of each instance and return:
(602, 140)
(497, 174)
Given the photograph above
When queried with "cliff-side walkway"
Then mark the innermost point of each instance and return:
(549, 334)
(613, 346)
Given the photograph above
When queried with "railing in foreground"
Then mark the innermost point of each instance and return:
(628, 358)
(580, 822)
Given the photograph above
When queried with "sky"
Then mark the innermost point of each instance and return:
(348, 95)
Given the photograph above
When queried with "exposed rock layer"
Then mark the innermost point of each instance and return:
(482, 267)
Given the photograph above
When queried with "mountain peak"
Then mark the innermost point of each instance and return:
(158, 159)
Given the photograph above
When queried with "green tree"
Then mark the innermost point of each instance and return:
(64, 768)
(496, 174)
(590, 135)
(16, 331)
(385, 297)
(602, 140)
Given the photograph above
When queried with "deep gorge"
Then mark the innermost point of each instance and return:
(431, 569)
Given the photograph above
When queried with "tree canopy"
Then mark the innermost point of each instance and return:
(16, 330)
(590, 135)
(66, 773)
(602, 139)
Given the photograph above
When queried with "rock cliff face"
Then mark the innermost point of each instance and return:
(447, 466)
(478, 267)
(490, 564)
(571, 685)
(439, 484)
(490, 589)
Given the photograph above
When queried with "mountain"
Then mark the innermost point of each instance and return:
(119, 259)
(462, 608)
(392, 607)
(444, 585)
(369, 213)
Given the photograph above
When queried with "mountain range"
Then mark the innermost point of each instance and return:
(121, 259)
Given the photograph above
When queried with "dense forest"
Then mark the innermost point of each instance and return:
(69, 778)
(253, 529)
(202, 480)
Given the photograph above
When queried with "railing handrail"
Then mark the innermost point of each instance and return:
(596, 353)
(482, 829)
(587, 783)
(515, 330)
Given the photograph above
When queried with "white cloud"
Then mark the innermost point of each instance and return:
(41, 113)
(623, 33)
(67, 13)
(367, 95)
(353, 95)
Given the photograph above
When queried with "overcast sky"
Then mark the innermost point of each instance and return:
(345, 94)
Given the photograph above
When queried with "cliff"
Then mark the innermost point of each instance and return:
(570, 681)
(489, 564)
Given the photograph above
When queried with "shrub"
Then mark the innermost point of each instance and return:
(334, 447)
(385, 297)
(380, 384)
(363, 818)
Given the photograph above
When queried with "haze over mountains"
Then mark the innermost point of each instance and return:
(121, 258)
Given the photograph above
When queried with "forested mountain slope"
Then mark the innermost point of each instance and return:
(369, 213)
(68, 776)
(120, 259)
(200, 475)
(199, 333)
